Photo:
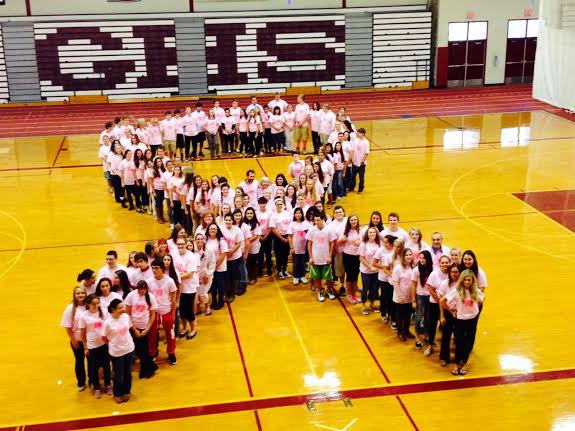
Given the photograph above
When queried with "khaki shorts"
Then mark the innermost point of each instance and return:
(323, 138)
(338, 267)
(169, 146)
(300, 134)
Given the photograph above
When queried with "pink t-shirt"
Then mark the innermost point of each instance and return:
(327, 122)
(320, 244)
(155, 135)
(302, 111)
(178, 125)
(466, 308)
(243, 125)
(138, 275)
(296, 168)
(315, 120)
(298, 232)
(383, 255)
(212, 126)
(359, 149)
(415, 248)
(352, 243)
(289, 121)
(263, 220)
(254, 124)
(444, 288)
(143, 135)
(232, 237)
(140, 310)
(162, 289)
(367, 250)
(255, 244)
(200, 118)
(128, 170)
(265, 116)
(68, 322)
(105, 300)
(235, 112)
(189, 126)
(218, 248)
(219, 113)
(434, 280)
(169, 129)
(252, 191)
(175, 184)
(117, 331)
(280, 221)
(338, 227)
(93, 324)
(401, 280)
(114, 161)
(227, 124)
(276, 121)
(187, 263)
(419, 290)
(437, 253)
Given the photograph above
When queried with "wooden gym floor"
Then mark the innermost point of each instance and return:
(276, 359)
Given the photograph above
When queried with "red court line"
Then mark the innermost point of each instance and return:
(404, 408)
(298, 400)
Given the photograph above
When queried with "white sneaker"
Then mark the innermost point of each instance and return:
(330, 295)
(286, 274)
(320, 296)
(295, 281)
(303, 280)
(428, 351)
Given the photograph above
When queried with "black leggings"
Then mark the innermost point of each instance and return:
(99, 359)
(250, 149)
(159, 202)
(118, 189)
(132, 190)
(281, 250)
(79, 364)
(465, 331)
(446, 332)
(243, 142)
(351, 266)
(316, 141)
(403, 318)
(431, 321)
(387, 306)
(266, 251)
(147, 366)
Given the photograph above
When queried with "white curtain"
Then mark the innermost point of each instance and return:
(554, 79)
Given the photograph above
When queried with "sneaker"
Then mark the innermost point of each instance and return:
(171, 226)
(287, 274)
(81, 388)
(98, 394)
(125, 398)
(320, 296)
(295, 281)
(443, 363)
(119, 400)
(336, 283)
(350, 299)
(401, 337)
(281, 275)
(394, 326)
(375, 309)
(428, 351)
(172, 359)
(385, 319)
(330, 295)
(364, 311)
(109, 390)
(303, 280)
(418, 345)
(339, 199)
(183, 334)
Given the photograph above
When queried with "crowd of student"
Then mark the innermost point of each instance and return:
(222, 240)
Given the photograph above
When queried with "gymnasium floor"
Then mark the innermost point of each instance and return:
(276, 359)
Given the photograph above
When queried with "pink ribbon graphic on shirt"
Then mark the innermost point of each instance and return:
(140, 308)
(468, 303)
(98, 325)
(123, 332)
(159, 292)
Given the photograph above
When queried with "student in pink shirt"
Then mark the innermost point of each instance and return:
(168, 128)
(382, 262)
(263, 215)
(367, 250)
(447, 314)
(267, 131)
(255, 129)
(143, 133)
(116, 333)
(277, 136)
(186, 264)
(128, 180)
(433, 282)
(402, 295)
(179, 130)
(419, 291)
(212, 127)
(360, 151)
(326, 124)
(141, 306)
(279, 223)
(337, 224)
(115, 158)
(243, 132)
(297, 230)
(206, 268)
(253, 252)
(218, 245)
(467, 297)
(87, 280)
(315, 121)
(415, 242)
(69, 322)
(350, 238)
(199, 117)
(320, 246)
(155, 135)
(234, 239)
(302, 117)
(229, 132)
(289, 128)
(91, 323)
(295, 169)
(164, 289)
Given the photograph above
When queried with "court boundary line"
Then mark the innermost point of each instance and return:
(460, 383)
(64, 139)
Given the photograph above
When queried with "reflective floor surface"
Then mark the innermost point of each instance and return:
(499, 184)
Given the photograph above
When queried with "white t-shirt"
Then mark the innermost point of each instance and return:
(93, 324)
(105, 300)
(436, 254)
(399, 234)
(383, 255)
(263, 220)
(359, 149)
(169, 129)
(302, 111)
(282, 104)
(320, 243)
(138, 275)
(338, 227)
(103, 155)
(326, 122)
(298, 232)
(419, 290)
(140, 310)
(117, 331)
(107, 272)
(162, 289)
(68, 322)
(218, 248)
(251, 189)
(255, 244)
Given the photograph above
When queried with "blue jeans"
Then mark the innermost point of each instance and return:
(337, 184)
(243, 275)
(122, 374)
(369, 289)
(422, 303)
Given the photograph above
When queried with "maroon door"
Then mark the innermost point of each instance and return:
(466, 55)
(520, 56)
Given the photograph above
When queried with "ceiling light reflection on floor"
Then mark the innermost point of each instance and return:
(516, 363)
(461, 139)
(329, 381)
(564, 423)
(515, 136)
